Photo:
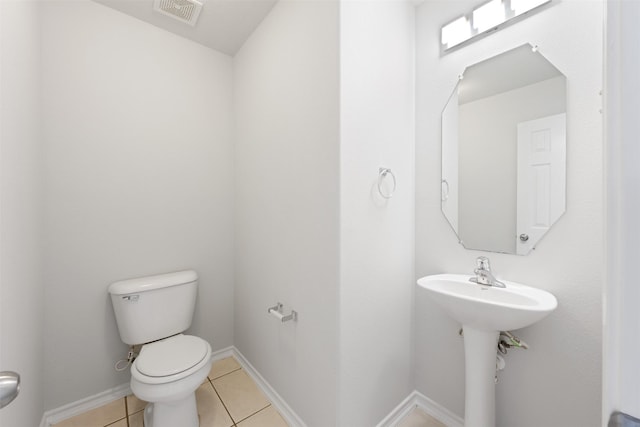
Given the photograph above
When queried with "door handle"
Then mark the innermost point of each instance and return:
(9, 387)
(524, 237)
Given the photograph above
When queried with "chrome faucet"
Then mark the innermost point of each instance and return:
(483, 274)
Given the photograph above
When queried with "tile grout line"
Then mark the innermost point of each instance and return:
(126, 410)
(225, 406)
(255, 413)
(221, 401)
(119, 419)
(127, 415)
(224, 375)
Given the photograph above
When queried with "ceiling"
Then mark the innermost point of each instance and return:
(223, 25)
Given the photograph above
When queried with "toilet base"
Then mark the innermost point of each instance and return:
(183, 413)
(171, 403)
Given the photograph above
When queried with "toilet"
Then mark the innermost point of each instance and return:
(155, 311)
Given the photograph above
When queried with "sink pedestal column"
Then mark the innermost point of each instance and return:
(480, 349)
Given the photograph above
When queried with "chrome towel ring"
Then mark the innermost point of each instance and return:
(382, 174)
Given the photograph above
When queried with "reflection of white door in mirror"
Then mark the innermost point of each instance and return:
(479, 184)
(541, 178)
(449, 183)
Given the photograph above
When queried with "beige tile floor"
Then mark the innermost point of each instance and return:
(418, 418)
(229, 397)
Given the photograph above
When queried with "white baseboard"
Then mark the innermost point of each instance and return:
(438, 411)
(399, 412)
(415, 399)
(221, 354)
(419, 400)
(54, 416)
(283, 408)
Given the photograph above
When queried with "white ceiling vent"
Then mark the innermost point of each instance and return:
(186, 11)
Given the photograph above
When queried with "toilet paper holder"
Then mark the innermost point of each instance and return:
(276, 311)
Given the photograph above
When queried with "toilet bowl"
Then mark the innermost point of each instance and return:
(166, 374)
(154, 311)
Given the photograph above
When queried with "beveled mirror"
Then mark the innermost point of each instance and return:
(504, 152)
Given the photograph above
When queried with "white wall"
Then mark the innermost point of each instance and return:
(488, 160)
(561, 371)
(287, 195)
(376, 236)
(21, 291)
(139, 180)
(621, 347)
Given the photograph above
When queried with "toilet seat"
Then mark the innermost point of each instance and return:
(170, 359)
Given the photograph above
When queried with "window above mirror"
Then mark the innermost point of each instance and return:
(485, 19)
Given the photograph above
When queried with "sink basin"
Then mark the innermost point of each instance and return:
(484, 311)
(486, 307)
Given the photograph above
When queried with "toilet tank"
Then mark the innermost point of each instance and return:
(154, 307)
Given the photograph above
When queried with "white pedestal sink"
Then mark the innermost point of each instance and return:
(484, 311)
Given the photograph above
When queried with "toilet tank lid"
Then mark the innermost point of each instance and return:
(148, 283)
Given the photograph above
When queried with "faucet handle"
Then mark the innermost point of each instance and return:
(482, 263)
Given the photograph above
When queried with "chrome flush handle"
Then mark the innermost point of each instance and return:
(9, 387)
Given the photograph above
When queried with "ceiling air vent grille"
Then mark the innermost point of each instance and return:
(186, 11)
